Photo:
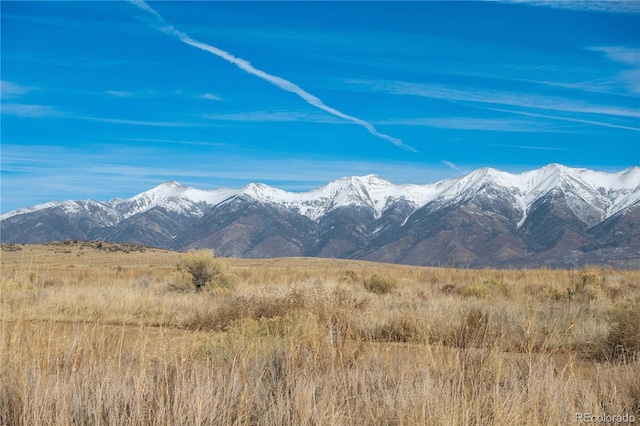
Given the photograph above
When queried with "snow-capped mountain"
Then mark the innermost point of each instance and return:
(553, 216)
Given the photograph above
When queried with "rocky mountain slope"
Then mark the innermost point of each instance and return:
(554, 216)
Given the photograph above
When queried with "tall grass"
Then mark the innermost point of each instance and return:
(302, 341)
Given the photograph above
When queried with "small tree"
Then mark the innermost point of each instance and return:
(201, 266)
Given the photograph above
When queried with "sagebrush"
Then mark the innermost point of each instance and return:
(89, 337)
(201, 267)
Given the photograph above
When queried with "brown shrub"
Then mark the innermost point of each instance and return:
(201, 266)
(379, 285)
(623, 339)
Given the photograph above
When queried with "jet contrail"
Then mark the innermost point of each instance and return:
(275, 80)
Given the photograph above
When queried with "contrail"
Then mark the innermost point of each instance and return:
(453, 166)
(275, 80)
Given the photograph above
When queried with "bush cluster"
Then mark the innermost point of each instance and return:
(484, 288)
(623, 339)
(379, 285)
(202, 271)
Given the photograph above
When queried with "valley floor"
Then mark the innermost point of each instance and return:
(108, 334)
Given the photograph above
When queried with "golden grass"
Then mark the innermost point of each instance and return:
(96, 336)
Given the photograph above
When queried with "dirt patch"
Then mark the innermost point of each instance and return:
(155, 337)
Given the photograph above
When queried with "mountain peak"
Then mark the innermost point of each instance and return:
(169, 188)
(555, 166)
(263, 192)
(170, 184)
(347, 180)
(371, 179)
(499, 218)
(609, 191)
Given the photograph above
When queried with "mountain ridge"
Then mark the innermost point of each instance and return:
(420, 194)
(520, 216)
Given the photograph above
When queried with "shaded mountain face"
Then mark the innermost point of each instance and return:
(554, 216)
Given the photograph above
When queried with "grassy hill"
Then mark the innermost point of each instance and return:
(102, 333)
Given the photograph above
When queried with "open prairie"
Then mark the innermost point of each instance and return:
(110, 334)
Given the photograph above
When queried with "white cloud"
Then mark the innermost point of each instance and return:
(140, 122)
(10, 90)
(275, 116)
(280, 82)
(571, 119)
(53, 172)
(29, 110)
(453, 166)
(630, 79)
(470, 123)
(509, 99)
(468, 94)
(605, 6)
(120, 94)
(628, 57)
(532, 147)
(211, 97)
(180, 142)
(42, 111)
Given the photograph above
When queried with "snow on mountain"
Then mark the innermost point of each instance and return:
(32, 209)
(101, 211)
(553, 216)
(588, 192)
(174, 197)
(369, 191)
(606, 193)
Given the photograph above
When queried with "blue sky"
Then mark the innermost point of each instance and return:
(106, 99)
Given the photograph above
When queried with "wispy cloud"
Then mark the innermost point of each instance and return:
(469, 94)
(453, 166)
(154, 93)
(626, 55)
(179, 142)
(73, 173)
(120, 93)
(531, 147)
(141, 122)
(280, 82)
(605, 6)
(46, 111)
(563, 118)
(471, 123)
(30, 110)
(10, 90)
(211, 97)
(275, 116)
(629, 57)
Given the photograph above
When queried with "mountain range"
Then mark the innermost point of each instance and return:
(554, 216)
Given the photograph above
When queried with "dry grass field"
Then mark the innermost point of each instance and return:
(107, 334)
